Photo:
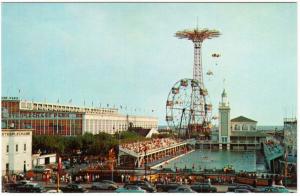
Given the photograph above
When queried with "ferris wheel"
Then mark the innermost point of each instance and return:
(188, 109)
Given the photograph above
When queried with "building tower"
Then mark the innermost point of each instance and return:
(224, 122)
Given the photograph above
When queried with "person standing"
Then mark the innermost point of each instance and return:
(122, 178)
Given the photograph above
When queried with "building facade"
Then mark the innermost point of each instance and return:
(242, 123)
(239, 133)
(290, 135)
(16, 150)
(67, 120)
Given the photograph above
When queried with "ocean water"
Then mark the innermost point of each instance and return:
(259, 127)
(206, 159)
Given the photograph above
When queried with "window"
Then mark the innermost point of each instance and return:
(7, 148)
(24, 147)
(7, 166)
(17, 148)
(236, 127)
(245, 127)
(224, 139)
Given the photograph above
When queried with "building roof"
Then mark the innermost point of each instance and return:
(249, 134)
(242, 119)
(141, 131)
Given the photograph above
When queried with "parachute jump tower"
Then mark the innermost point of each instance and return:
(187, 107)
(197, 36)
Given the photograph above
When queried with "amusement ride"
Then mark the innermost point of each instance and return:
(188, 109)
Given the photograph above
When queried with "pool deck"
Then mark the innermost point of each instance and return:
(171, 159)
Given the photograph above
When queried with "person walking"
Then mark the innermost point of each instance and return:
(122, 178)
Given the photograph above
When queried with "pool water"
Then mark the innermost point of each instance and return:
(206, 159)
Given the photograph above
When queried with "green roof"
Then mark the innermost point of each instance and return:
(242, 119)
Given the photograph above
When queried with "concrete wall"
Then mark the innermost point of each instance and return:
(94, 123)
(16, 139)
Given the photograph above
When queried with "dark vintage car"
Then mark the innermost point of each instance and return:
(73, 188)
(241, 186)
(143, 184)
(30, 188)
(104, 185)
(203, 188)
(166, 187)
(182, 189)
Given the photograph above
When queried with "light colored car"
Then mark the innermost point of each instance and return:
(104, 186)
(130, 189)
(54, 191)
(182, 189)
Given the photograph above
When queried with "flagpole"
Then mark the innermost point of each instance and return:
(58, 170)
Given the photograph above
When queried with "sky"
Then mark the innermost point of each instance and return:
(125, 54)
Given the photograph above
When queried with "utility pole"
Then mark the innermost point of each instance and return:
(145, 163)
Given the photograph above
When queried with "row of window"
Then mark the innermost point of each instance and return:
(113, 125)
(17, 148)
(244, 127)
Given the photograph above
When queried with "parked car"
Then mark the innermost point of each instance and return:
(39, 168)
(144, 185)
(166, 187)
(73, 188)
(110, 182)
(54, 191)
(130, 189)
(66, 164)
(182, 189)
(12, 187)
(274, 189)
(30, 188)
(242, 191)
(241, 186)
(104, 186)
(203, 188)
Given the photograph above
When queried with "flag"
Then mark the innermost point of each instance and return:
(84, 102)
(107, 105)
(57, 100)
(70, 101)
(92, 103)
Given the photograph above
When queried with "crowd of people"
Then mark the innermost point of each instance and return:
(153, 144)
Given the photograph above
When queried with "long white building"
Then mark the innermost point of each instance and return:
(59, 119)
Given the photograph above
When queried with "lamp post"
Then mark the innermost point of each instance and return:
(112, 170)
(145, 163)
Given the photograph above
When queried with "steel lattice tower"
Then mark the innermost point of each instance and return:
(197, 36)
(199, 120)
